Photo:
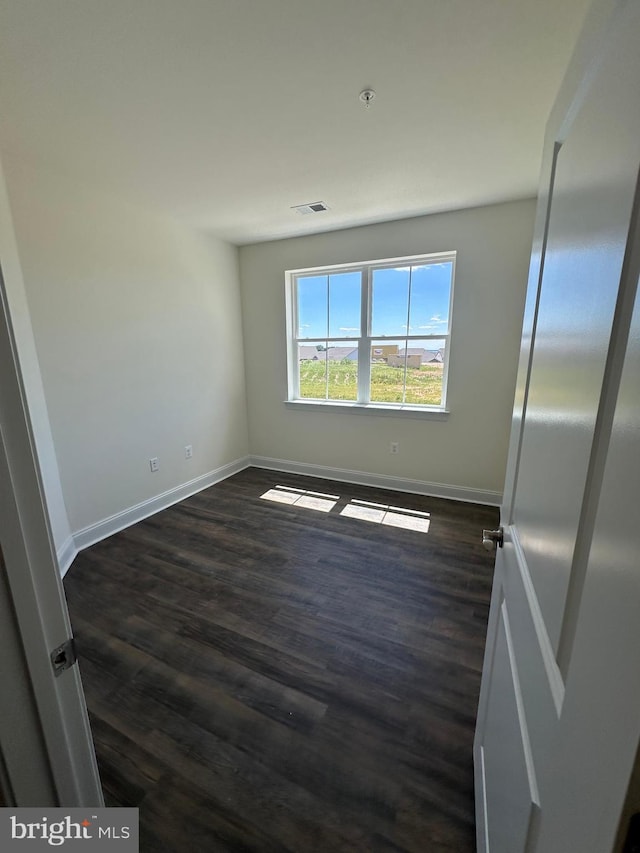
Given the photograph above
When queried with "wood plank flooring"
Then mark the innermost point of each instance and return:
(268, 677)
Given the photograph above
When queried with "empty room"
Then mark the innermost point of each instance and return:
(319, 421)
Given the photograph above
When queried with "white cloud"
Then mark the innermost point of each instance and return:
(349, 329)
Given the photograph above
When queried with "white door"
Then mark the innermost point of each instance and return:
(46, 749)
(559, 712)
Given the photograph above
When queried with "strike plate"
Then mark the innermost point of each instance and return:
(64, 656)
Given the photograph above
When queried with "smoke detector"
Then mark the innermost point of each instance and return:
(367, 96)
(312, 207)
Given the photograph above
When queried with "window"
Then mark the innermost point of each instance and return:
(374, 334)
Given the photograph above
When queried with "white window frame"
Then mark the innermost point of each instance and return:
(363, 342)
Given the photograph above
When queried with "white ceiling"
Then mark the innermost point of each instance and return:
(225, 113)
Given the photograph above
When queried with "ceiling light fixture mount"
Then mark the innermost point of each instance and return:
(366, 96)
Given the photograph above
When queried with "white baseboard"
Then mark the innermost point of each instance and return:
(66, 554)
(380, 481)
(108, 526)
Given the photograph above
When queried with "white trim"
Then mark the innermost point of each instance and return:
(88, 536)
(399, 410)
(363, 341)
(378, 262)
(108, 526)
(66, 554)
(380, 481)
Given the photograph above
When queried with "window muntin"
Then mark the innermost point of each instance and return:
(329, 305)
(410, 374)
(374, 333)
(324, 378)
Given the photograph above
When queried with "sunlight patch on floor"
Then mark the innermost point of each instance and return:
(301, 497)
(394, 516)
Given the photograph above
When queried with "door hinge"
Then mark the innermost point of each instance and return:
(64, 656)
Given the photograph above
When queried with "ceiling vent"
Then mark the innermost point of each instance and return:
(314, 207)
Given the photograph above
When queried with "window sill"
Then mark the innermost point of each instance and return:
(435, 414)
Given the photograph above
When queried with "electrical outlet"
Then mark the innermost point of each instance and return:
(154, 463)
(394, 447)
(188, 451)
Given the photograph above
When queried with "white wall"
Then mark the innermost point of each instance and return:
(46, 743)
(18, 311)
(467, 450)
(138, 327)
(138, 331)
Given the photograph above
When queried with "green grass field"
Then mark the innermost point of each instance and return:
(424, 386)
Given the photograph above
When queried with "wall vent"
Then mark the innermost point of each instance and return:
(313, 207)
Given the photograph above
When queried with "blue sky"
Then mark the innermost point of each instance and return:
(426, 314)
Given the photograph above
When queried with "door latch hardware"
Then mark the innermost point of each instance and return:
(64, 656)
(492, 537)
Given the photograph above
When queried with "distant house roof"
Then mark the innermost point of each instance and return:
(340, 353)
(309, 353)
(312, 353)
(426, 355)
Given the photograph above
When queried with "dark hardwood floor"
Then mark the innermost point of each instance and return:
(269, 677)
